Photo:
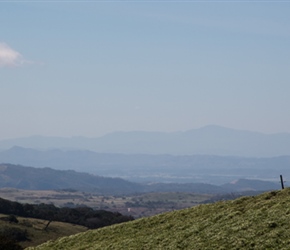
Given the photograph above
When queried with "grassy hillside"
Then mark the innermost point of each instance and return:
(33, 229)
(260, 222)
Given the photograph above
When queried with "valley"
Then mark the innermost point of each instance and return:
(139, 205)
(144, 168)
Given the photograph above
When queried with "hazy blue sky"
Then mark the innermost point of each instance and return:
(92, 67)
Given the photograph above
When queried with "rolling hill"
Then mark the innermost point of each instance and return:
(260, 222)
(30, 178)
(21, 177)
(33, 231)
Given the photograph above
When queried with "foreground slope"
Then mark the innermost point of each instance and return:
(261, 222)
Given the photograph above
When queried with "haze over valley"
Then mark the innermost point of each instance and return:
(113, 110)
(130, 90)
(203, 155)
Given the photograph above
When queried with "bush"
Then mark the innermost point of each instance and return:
(12, 218)
(14, 234)
(8, 244)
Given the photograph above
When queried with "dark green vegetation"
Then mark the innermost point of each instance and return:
(254, 222)
(16, 232)
(84, 216)
(19, 232)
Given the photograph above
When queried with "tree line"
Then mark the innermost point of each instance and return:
(84, 216)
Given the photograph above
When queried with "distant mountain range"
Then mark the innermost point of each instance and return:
(209, 140)
(29, 178)
(153, 168)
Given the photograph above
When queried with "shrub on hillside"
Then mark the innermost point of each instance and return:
(14, 233)
(84, 216)
(8, 244)
(11, 218)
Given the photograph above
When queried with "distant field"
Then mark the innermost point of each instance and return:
(137, 205)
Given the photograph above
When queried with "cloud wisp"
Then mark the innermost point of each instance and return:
(10, 57)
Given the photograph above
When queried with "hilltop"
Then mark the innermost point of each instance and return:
(259, 222)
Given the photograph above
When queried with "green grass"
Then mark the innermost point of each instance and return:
(260, 222)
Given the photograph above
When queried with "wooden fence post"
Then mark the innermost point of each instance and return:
(282, 182)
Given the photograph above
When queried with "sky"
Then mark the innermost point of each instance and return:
(88, 68)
